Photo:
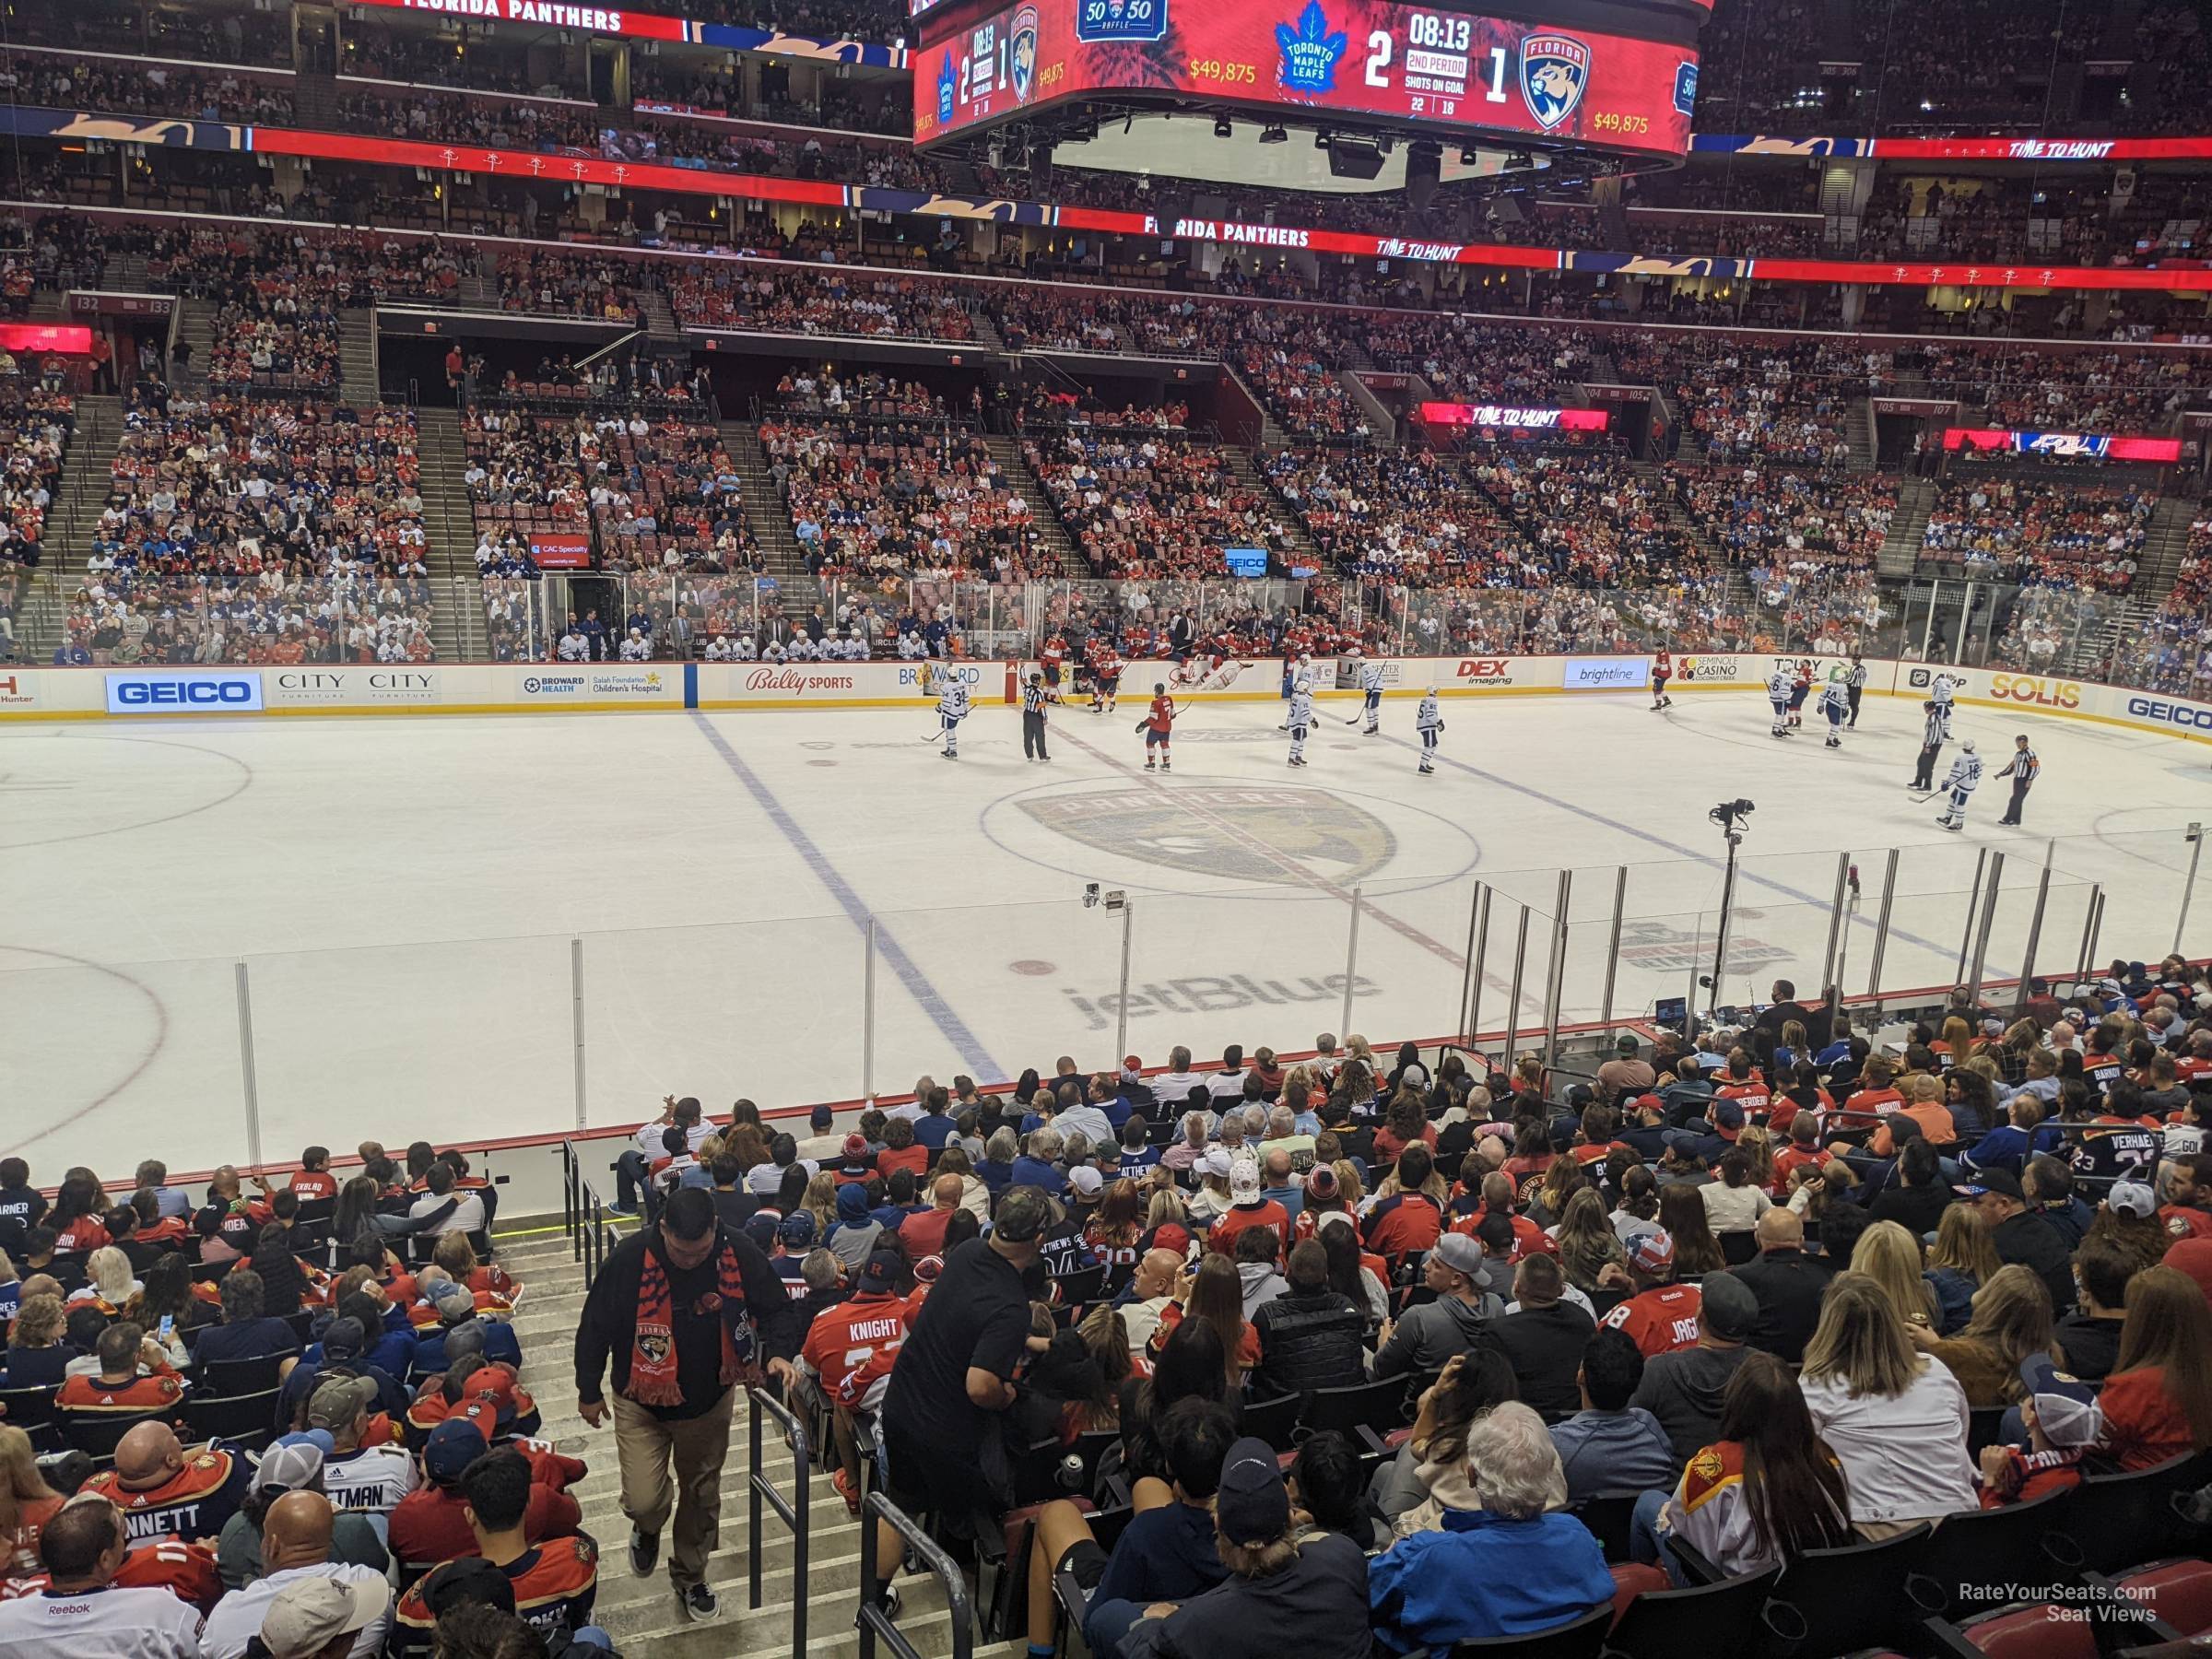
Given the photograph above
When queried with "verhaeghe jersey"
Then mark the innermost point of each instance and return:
(107, 1623)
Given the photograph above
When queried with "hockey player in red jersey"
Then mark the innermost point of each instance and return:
(1106, 680)
(1158, 725)
(1663, 670)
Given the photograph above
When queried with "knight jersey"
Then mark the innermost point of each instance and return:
(555, 1584)
(1662, 666)
(1779, 684)
(112, 1622)
(1660, 1321)
(843, 1341)
(952, 703)
(1370, 676)
(89, 1396)
(1301, 708)
(1966, 773)
(192, 1503)
(1426, 718)
(1162, 717)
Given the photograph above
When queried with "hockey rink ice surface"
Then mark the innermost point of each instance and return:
(405, 895)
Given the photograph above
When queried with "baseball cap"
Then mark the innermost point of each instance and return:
(492, 1389)
(1085, 1180)
(2003, 1183)
(453, 1446)
(1463, 1253)
(308, 1614)
(1131, 1065)
(455, 1303)
(1993, 1026)
(927, 1269)
(1729, 1308)
(760, 1228)
(882, 1272)
(1653, 1253)
(1244, 1180)
(342, 1339)
(317, 1438)
(1651, 1100)
(469, 1579)
(796, 1228)
(1216, 1163)
(291, 1469)
(336, 1403)
(2194, 1257)
(2065, 1408)
(1251, 1505)
(1727, 1114)
(2133, 1198)
(822, 1117)
(1021, 1213)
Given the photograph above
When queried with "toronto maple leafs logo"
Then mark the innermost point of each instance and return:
(1553, 70)
(946, 82)
(1310, 52)
(1022, 70)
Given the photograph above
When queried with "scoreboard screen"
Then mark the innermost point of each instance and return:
(1406, 64)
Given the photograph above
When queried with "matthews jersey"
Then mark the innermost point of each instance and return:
(1370, 676)
(952, 703)
(1426, 718)
(1779, 684)
(1966, 773)
(1301, 708)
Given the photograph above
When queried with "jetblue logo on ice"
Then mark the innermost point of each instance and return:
(1310, 52)
(1555, 68)
(183, 693)
(1685, 87)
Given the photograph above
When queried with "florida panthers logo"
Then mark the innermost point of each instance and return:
(1024, 62)
(1553, 70)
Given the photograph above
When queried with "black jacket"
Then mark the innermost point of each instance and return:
(1309, 1339)
(2033, 1243)
(1544, 1349)
(1789, 1285)
(608, 1326)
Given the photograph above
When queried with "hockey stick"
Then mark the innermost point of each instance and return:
(1355, 719)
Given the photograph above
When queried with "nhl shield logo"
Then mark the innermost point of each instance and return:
(1022, 69)
(1553, 70)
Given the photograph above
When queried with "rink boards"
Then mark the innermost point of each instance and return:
(140, 694)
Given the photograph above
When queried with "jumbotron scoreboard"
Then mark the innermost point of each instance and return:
(1619, 77)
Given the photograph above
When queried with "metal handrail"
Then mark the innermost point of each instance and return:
(582, 1215)
(795, 1511)
(875, 1622)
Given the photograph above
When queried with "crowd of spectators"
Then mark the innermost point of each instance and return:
(573, 285)
(2040, 533)
(1592, 520)
(1400, 516)
(830, 302)
(1303, 392)
(2174, 652)
(269, 530)
(2091, 391)
(83, 83)
(1144, 506)
(1758, 400)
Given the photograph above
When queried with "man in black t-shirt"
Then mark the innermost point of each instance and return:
(955, 1377)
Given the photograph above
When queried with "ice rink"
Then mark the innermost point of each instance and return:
(417, 902)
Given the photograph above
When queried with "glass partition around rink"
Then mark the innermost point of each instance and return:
(203, 1061)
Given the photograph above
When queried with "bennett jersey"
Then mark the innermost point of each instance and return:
(1426, 718)
(1835, 700)
(1659, 1321)
(1779, 684)
(1371, 677)
(953, 701)
(194, 1502)
(1966, 773)
(1301, 708)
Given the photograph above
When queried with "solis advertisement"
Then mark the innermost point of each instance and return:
(1364, 57)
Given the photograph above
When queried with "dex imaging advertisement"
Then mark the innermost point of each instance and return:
(1365, 57)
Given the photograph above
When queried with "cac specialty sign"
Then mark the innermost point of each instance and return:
(211, 692)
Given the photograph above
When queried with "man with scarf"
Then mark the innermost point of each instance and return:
(688, 1311)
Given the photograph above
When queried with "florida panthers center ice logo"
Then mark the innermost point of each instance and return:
(1023, 72)
(1240, 832)
(1555, 68)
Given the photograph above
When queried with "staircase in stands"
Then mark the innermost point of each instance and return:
(800, 592)
(1303, 550)
(449, 524)
(66, 540)
(1006, 450)
(2167, 541)
(1900, 549)
(357, 357)
(641, 1612)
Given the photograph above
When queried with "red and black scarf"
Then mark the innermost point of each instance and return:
(652, 1369)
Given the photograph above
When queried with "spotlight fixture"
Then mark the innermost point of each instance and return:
(1221, 127)
(1274, 134)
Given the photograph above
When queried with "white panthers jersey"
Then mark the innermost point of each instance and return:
(1426, 718)
(1370, 676)
(953, 701)
(1301, 708)
(1780, 684)
(1966, 772)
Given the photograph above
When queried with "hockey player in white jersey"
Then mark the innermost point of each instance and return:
(1370, 682)
(1779, 686)
(1940, 694)
(1430, 725)
(1966, 773)
(1300, 718)
(952, 708)
(1835, 702)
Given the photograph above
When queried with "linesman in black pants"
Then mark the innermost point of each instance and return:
(1033, 699)
(2022, 769)
(1855, 683)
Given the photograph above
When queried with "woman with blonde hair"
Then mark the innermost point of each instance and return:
(1758, 1148)
(109, 1284)
(27, 1503)
(1587, 1243)
(821, 1202)
(1895, 1418)
(2157, 1401)
(1961, 1262)
(1890, 1256)
(2011, 1320)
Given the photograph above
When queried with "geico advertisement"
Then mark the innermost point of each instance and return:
(2165, 713)
(209, 692)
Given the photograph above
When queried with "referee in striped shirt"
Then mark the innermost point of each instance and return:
(1033, 699)
(2022, 769)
